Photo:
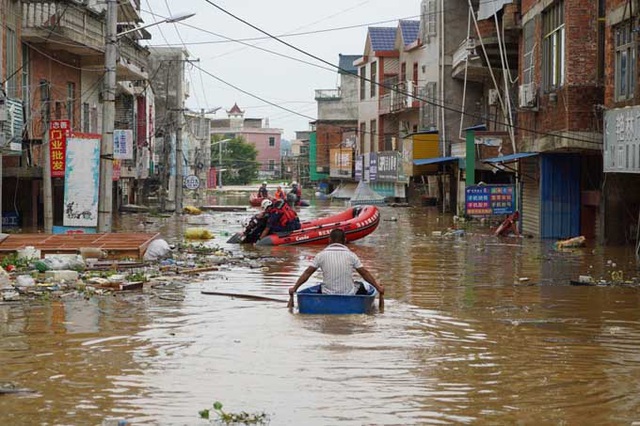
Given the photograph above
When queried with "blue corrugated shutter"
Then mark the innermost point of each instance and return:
(560, 195)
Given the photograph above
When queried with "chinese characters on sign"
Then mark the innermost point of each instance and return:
(59, 130)
(488, 200)
(388, 163)
(123, 144)
(621, 152)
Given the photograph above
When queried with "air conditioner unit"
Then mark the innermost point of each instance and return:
(527, 96)
(493, 96)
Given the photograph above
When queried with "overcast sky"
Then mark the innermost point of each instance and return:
(289, 80)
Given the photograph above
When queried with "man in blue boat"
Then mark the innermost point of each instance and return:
(337, 263)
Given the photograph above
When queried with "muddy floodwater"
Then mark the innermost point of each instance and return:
(476, 330)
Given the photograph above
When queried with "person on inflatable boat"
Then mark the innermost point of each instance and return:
(282, 218)
(262, 191)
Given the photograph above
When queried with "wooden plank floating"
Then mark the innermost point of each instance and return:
(224, 208)
(115, 245)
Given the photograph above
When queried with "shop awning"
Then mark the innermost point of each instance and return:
(509, 158)
(436, 160)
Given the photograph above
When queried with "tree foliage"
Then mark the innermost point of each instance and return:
(238, 161)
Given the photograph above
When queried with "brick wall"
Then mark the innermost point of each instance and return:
(573, 107)
(59, 76)
(329, 136)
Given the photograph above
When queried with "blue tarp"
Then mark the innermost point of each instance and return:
(436, 160)
(509, 158)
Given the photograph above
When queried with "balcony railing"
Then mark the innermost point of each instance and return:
(464, 51)
(56, 21)
(328, 94)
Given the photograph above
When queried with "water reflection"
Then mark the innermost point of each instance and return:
(475, 330)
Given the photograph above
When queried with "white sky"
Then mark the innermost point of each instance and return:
(277, 79)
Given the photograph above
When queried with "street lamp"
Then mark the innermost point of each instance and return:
(105, 199)
(220, 159)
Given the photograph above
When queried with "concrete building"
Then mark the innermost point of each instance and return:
(55, 69)
(167, 65)
(337, 122)
(255, 131)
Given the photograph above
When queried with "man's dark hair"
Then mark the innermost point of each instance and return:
(337, 236)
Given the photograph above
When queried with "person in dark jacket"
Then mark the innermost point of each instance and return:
(282, 218)
(262, 191)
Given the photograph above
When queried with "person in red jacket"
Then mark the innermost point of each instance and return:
(282, 218)
(509, 226)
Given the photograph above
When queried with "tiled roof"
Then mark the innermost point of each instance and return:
(410, 30)
(235, 109)
(346, 63)
(382, 38)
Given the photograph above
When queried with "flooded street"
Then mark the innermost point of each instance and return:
(476, 329)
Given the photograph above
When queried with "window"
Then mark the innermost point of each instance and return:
(372, 139)
(272, 165)
(71, 96)
(529, 44)
(12, 64)
(415, 74)
(429, 111)
(374, 73)
(403, 72)
(363, 81)
(430, 18)
(272, 141)
(553, 46)
(86, 122)
(625, 67)
(363, 132)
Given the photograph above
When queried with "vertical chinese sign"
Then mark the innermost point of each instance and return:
(82, 181)
(59, 131)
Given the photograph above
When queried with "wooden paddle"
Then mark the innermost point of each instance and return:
(243, 296)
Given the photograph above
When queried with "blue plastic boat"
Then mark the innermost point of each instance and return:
(311, 301)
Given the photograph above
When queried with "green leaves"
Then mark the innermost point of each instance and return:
(235, 418)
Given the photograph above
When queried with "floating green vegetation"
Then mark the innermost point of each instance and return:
(15, 260)
(234, 418)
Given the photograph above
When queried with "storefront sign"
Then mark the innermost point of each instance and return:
(489, 200)
(59, 131)
(373, 166)
(621, 153)
(341, 164)
(388, 166)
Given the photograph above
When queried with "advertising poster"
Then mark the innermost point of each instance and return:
(388, 166)
(489, 200)
(81, 185)
(123, 144)
(59, 131)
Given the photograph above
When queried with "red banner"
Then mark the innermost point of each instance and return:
(117, 170)
(59, 130)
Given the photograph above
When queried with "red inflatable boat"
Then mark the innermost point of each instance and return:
(356, 222)
(256, 201)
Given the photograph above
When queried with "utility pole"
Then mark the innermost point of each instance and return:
(46, 169)
(105, 199)
(179, 156)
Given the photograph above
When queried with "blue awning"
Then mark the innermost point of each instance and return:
(509, 158)
(436, 160)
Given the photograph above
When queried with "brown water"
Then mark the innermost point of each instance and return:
(476, 330)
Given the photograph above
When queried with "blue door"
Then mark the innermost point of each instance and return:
(560, 195)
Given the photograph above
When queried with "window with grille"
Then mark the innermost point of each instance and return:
(372, 139)
(12, 64)
(272, 165)
(429, 110)
(553, 46)
(71, 96)
(625, 66)
(363, 81)
(374, 78)
(272, 141)
(528, 58)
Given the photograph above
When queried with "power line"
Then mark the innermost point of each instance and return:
(404, 93)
